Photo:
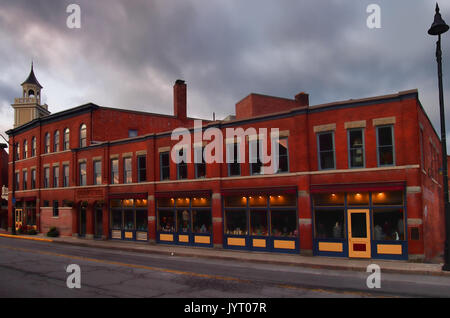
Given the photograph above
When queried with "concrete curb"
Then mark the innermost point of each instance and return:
(26, 238)
(200, 253)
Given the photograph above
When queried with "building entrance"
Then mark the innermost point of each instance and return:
(358, 233)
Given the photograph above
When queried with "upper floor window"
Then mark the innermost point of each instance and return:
(164, 164)
(83, 173)
(182, 166)
(114, 171)
(325, 143)
(56, 141)
(33, 178)
(17, 151)
(83, 138)
(16, 180)
(46, 177)
(132, 133)
(356, 148)
(97, 172)
(142, 168)
(33, 146)
(254, 156)
(127, 171)
(385, 146)
(65, 175)
(283, 155)
(47, 143)
(25, 149)
(200, 164)
(66, 139)
(55, 176)
(24, 179)
(233, 159)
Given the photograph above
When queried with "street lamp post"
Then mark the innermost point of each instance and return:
(437, 28)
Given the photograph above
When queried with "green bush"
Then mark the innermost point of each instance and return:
(32, 232)
(53, 232)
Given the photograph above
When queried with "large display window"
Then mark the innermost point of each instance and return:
(385, 233)
(184, 220)
(261, 222)
(129, 219)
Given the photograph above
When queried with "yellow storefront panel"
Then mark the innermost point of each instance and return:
(202, 239)
(288, 245)
(166, 237)
(183, 238)
(389, 249)
(236, 241)
(259, 243)
(330, 247)
(128, 235)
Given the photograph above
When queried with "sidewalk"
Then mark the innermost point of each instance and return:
(387, 266)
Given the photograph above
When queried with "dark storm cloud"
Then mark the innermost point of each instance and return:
(128, 53)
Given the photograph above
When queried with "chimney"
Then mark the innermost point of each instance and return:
(179, 99)
(302, 99)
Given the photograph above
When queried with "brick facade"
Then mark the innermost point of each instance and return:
(414, 170)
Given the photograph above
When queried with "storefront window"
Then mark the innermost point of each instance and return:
(201, 221)
(358, 198)
(182, 202)
(387, 198)
(133, 212)
(236, 222)
(258, 222)
(141, 220)
(284, 223)
(329, 224)
(166, 221)
(128, 219)
(235, 201)
(165, 202)
(283, 200)
(388, 224)
(183, 221)
(329, 199)
(258, 200)
(116, 217)
(203, 201)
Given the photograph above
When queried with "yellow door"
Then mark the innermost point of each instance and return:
(358, 233)
(19, 218)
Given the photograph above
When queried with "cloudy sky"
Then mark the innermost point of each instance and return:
(128, 54)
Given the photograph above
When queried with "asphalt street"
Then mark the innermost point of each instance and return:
(38, 269)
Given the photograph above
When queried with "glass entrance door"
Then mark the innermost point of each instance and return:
(359, 233)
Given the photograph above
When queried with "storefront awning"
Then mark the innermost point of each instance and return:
(260, 191)
(358, 187)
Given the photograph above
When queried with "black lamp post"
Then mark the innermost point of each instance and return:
(437, 28)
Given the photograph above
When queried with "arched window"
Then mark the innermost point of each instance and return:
(66, 139)
(25, 149)
(47, 143)
(56, 141)
(83, 136)
(33, 146)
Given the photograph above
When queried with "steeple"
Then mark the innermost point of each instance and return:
(29, 106)
(32, 78)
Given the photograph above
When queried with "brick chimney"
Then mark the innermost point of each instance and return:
(179, 99)
(302, 99)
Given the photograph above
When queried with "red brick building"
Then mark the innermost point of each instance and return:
(357, 178)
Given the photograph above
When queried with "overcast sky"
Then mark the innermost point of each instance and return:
(128, 54)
